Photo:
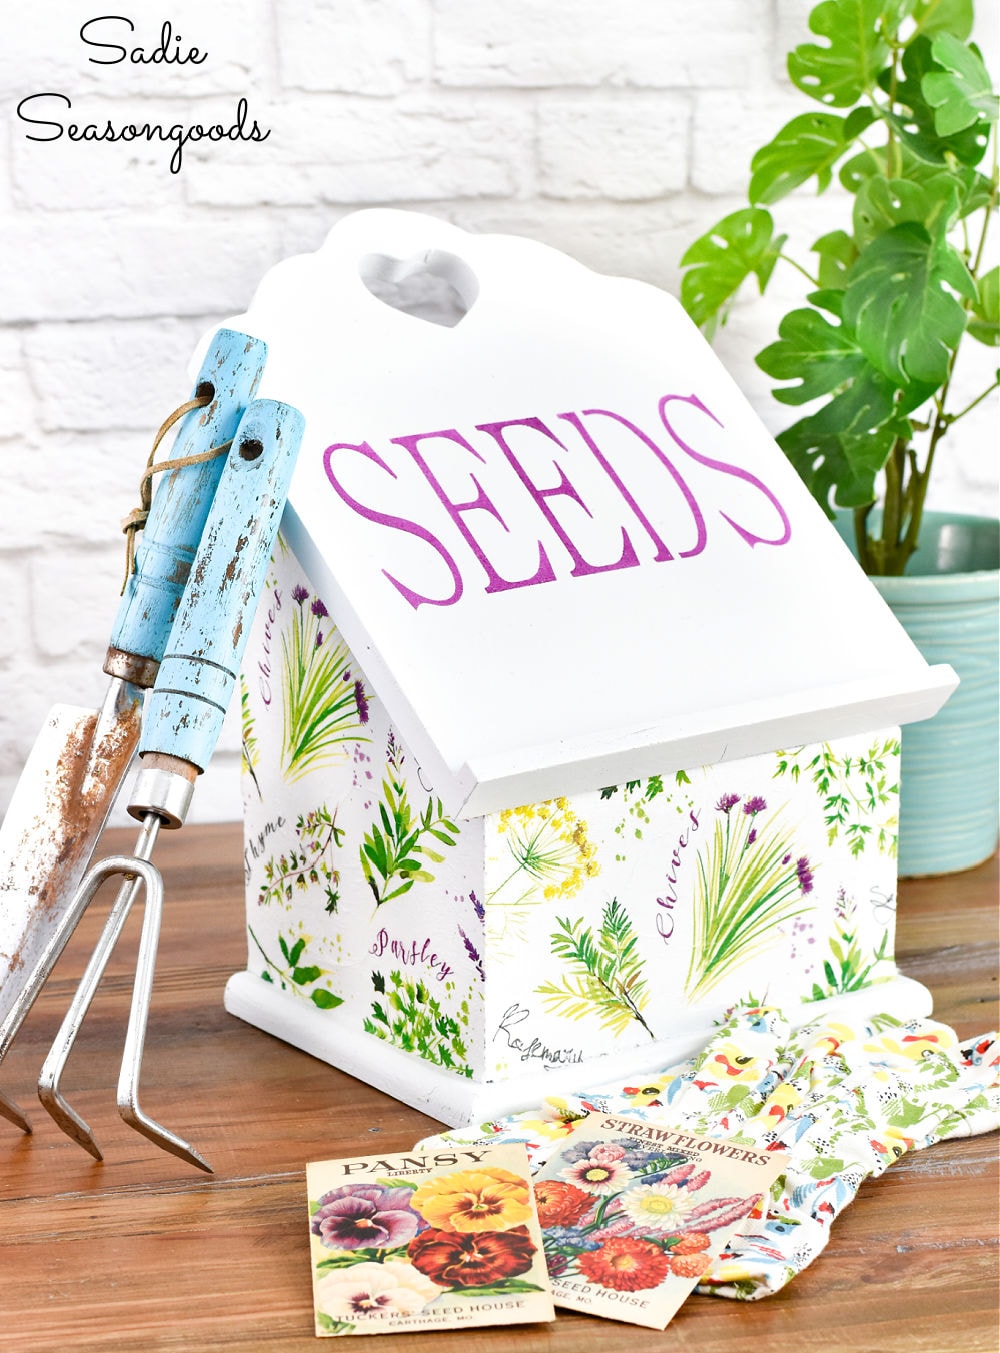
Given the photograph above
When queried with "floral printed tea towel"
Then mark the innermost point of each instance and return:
(844, 1097)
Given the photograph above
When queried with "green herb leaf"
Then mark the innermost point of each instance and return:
(809, 145)
(961, 93)
(723, 258)
(325, 1000)
(985, 322)
(898, 303)
(838, 73)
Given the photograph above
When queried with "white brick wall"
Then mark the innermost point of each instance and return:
(614, 132)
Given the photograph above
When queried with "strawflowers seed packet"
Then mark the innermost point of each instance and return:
(444, 1239)
(633, 1214)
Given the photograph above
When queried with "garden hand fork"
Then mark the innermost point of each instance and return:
(182, 721)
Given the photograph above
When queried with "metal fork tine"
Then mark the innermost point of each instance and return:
(135, 1037)
(10, 1111)
(137, 872)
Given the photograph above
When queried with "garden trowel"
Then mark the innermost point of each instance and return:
(70, 781)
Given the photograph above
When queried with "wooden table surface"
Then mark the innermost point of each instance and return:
(144, 1252)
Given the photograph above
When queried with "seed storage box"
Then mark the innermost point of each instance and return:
(568, 719)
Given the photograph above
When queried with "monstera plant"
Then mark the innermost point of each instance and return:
(906, 117)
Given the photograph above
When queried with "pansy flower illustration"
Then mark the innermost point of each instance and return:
(472, 1260)
(365, 1216)
(374, 1289)
(469, 1201)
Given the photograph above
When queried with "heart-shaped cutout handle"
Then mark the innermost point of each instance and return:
(432, 285)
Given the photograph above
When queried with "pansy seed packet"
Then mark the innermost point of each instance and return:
(633, 1214)
(440, 1239)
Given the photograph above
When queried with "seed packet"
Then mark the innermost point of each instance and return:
(633, 1214)
(432, 1240)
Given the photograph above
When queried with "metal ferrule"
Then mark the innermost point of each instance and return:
(162, 792)
(131, 667)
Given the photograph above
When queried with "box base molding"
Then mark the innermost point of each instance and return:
(457, 1101)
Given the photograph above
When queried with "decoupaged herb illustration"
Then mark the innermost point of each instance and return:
(397, 848)
(749, 881)
(607, 972)
(324, 703)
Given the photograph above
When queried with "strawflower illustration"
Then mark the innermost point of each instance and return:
(600, 1171)
(559, 1203)
(624, 1216)
(657, 1207)
(626, 1264)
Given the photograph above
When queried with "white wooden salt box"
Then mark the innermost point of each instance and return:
(568, 719)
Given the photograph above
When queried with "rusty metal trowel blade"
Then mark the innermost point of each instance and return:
(58, 811)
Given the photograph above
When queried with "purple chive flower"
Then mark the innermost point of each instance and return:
(752, 837)
(726, 802)
(318, 609)
(299, 593)
(365, 1217)
(785, 859)
(805, 874)
(347, 674)
(361, 700)
(319, 638)
(754, 805)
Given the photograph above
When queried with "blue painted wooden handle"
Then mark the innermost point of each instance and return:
(181, 502)
(185, 709)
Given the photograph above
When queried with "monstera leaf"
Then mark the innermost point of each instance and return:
(961, 93)
(899, 303)
(839, 450)
(819, 355)
(836, 254)
(809, 145)
(944, 16)
(723, 258)
(838, 73)
(883, 203)
(918, 129)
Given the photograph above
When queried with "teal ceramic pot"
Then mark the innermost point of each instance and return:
(950, 777)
